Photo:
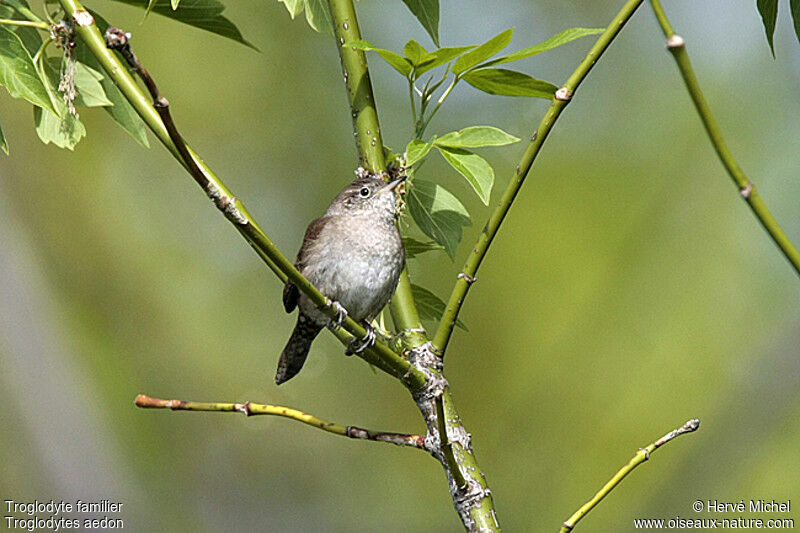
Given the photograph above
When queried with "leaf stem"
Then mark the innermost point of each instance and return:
(29, 23)
(424, 123)
(677, 47)
(641, 456)
(411, 98)
(563, 96)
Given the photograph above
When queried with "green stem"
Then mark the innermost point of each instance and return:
(235, 211)
(369, 141)
(359, 88)
(424, 123)
(447, 446)
(641, 456)
(563, 96)
(29, 23)
(411, 98)
(677, 47)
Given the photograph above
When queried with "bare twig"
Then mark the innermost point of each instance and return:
(250, 408)
(641, 456)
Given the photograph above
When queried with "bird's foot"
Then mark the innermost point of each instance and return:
(341, 314)
(358, 346)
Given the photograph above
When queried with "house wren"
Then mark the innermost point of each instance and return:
(354, 255)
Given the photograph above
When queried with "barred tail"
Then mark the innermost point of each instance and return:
(294, 355)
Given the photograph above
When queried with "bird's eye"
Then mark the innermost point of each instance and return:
(364, 192)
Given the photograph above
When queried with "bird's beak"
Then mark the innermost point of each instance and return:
(392, 185)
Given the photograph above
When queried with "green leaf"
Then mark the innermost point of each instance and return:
(795, 7)
(768, 9)
(438, 213)
(414, 247)
(121, 111)
(473, 167)
(442, 56)
(318, 15)
(483, 52)
(18, 74)
(430, 306)
(90, 90)
(415, 53)
(4, 144)
(427, 12)
(64, 133)
(295, 7)
(475, 137)
(416, 150)
(509, 83)
(396, 61)
(556, 40)
(62, 129)
(203, 14)
(150, 5)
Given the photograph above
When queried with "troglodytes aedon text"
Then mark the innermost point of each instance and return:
(354, 255)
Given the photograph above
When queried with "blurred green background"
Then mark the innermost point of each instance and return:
(629, 290)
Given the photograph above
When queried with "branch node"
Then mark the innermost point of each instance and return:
(466, 277)
(362, 173)
(424, 360)
(563, 94)
(745, 191)
(176, 404)
(688, 427)
(244, 408)
(83, 18)
(646, 453)
(675, 41)
(567, 526)
(226, 204)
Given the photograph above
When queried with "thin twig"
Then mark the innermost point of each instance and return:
(677, 47)
(641, 456)
(250, 408)
(563, 96)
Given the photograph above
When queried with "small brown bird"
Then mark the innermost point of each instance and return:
(354, 255)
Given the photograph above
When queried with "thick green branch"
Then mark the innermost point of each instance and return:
(641, 456)
(370, 145)
(677, 47)
(251, 409)
(380, 355)
(563, 96)
(359, 88)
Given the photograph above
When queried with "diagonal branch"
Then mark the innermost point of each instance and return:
(250, 408)
(641, 456)
(380, 355)
(467, 275)
(677, 47)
